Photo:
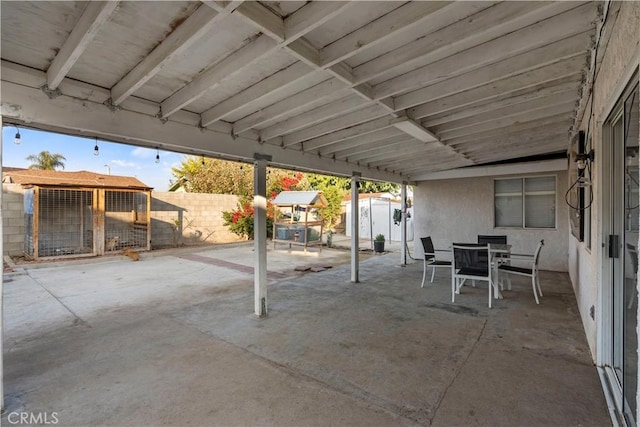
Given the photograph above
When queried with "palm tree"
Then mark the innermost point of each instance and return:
(46, 161)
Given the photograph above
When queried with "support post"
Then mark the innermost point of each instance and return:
(1, 285)
(403, 224)
(260, 233)
(355, 228)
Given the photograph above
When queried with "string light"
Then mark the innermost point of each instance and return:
(157, 156)
(96, 149)
(16, 140)
(202, 160)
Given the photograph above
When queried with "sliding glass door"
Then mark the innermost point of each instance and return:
(622, 365)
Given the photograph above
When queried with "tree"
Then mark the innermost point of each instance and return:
(334, 189)
(214, 176)
(46, 161)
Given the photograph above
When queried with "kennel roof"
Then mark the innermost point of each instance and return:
(28, 177)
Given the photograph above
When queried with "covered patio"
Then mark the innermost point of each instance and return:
(383, 352)
(486, 108)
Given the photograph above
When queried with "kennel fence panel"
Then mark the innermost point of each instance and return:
(63, 225)
(126, 220)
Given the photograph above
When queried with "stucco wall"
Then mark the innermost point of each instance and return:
(198, 218)
(457, 210)
(617, 64)
(13, 219)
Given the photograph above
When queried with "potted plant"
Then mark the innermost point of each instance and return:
(378, 243)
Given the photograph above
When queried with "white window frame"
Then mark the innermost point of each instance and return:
(524, 194)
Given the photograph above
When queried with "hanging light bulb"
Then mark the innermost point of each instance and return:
(17, 140)
(202, 160)
(157, 156)
(96, 149)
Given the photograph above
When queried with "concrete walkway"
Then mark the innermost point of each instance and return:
(171, 340)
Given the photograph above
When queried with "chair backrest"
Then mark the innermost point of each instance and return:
(427, 246)
(473, 257)
(484, 239)
(536, 256)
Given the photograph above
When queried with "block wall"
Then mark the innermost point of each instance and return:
(182, 219)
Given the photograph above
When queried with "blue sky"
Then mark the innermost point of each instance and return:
(121, 159)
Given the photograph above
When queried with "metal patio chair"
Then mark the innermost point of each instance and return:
(530, 271)
(470, 262)
(430, 259)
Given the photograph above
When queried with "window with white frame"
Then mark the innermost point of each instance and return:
(525, 202)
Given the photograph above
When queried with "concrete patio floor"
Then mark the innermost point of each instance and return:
(171, 340)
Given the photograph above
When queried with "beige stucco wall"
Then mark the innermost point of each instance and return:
(13, 219)
(457, 210)
(619, 61)
(199, 217)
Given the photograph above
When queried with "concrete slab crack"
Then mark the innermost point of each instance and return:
(77, 319)
(455, 377)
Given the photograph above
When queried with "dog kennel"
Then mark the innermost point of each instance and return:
(73, 214)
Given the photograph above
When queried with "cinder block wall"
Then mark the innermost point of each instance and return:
(182, 219)
(177, 219)
(13, 219)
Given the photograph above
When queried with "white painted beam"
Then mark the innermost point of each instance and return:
(74, 116)
(394, 156)
(335, 137)
(94, 16)
(556, 28)
(435, 161)
(313, 96)
(534, 138)
(438, 166)
(472, 29)
(570, 87)
(553, 111)
(268, 87)
(416, 130)
(541, 58)
(403, 19)
(513, 129)
(325, 112)
(302, 22)
(176, 43)
(392, 147)
(287, 34)
(218, 74)
(509, 139)
(313, 15)
(498, 170)
(355, 142)
(387, 144)
(520, 109)
(363, 115)
(518, 152)
(568, 69)
(254, 13)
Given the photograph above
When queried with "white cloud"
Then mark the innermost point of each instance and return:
(125, 164)
(143, 153)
